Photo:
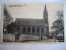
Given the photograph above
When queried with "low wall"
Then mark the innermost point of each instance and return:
(28, 37)
(9, 37)
(22, 37)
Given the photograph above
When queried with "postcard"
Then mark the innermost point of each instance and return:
(32, 22)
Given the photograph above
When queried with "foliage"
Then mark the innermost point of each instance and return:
(58, 25)
(7, 19)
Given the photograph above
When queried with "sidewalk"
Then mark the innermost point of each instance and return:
(45, 40)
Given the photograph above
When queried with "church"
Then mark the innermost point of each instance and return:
(37, 27)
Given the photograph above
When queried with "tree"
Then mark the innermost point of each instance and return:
(58, 25)
(7, 19)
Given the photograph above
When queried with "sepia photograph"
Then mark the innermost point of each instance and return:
(33, 22)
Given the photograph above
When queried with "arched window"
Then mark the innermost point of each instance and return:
(42, 30)
(28, 29)
(24, 30)
(33, 30)
(37, 30)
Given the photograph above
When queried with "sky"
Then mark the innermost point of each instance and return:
(34, 10)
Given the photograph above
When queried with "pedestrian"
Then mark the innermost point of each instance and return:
(16, 36)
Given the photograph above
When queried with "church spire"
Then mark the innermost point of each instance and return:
(45, 9)
(45, 15)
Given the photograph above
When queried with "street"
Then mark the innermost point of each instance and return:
(27, 38)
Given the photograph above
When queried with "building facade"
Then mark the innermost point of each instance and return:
(33, 26)
(37, 27)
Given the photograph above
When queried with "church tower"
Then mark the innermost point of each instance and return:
(45, 18)
(45, 15)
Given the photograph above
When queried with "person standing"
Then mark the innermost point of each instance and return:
(16, 36)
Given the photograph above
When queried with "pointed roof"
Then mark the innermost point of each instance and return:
(29, 22)
(45, 7)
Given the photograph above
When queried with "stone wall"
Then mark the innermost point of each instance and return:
(22, 37)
